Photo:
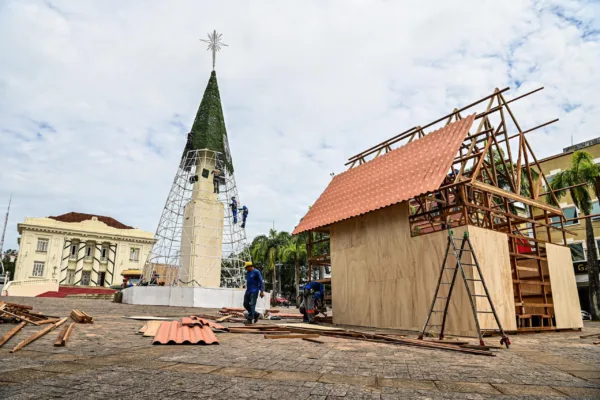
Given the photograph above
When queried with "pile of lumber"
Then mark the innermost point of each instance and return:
(81, 317)
(312, 332)
(12, 312)
(22, 314)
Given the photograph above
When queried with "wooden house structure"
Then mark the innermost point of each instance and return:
(387, 218)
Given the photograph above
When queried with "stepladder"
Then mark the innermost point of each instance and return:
(476, 290)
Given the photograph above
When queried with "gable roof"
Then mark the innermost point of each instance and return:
(408, 171)
(79, 217)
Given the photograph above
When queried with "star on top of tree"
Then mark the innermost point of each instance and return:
(214, 44)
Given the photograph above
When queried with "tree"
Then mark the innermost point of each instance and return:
(294, 251)
(9, 266)
(265, 251)
(583, 171)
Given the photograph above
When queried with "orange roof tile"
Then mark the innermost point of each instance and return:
(408, 171)
(172, 332)
(195, 320)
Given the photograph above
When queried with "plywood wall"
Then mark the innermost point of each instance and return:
(384, 278)
(564, 287)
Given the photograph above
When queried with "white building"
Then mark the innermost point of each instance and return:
(79, 249)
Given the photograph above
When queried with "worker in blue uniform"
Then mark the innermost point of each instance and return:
(234, 209)
(244, 211)
(313, 301)
(255, 286)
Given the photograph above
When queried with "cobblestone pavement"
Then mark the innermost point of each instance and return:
(109, 360)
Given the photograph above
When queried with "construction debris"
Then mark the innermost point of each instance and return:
(12, 312)
(81, 317)
(38, 335)
(63, 335)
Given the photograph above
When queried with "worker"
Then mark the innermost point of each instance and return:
(154, 279)
(244, 211)
(254, 286)
(216, 180)
(313, 298)
(234, 209)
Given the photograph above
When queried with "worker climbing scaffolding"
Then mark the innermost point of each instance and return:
(234, 209)
(216, 173)
(244, 211)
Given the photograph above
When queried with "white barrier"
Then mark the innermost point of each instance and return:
(178, 296)
(30, 287)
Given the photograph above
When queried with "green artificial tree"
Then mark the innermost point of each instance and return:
(208, 130)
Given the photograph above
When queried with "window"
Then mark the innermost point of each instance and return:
(595, 210)
(104, 253)
(101, 278)
(570, 212)
(89, 252)
(134, 254)
(42, 245)
(70, 276)
(86, 278)
(38, 268)
(577, 253)
(73, 253)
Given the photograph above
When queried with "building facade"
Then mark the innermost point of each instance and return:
(80, 249)
(575, 240)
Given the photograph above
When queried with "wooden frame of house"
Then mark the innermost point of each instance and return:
(387, 218)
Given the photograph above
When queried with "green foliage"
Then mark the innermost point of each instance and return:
(583, 170)
(208, 130)
(9, 266)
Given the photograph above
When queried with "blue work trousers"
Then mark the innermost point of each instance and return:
(234, 216)
(250, 299)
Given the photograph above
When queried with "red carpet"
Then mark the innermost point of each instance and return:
(64, 291)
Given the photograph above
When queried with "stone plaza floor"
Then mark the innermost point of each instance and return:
(109, 360)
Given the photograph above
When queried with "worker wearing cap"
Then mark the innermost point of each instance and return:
(254, 286)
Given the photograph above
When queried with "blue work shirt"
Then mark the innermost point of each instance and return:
(317, 287)
(254, 281)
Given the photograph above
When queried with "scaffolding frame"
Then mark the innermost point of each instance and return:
(165, 257)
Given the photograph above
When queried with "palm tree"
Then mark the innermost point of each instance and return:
(583, 171)
(294, 251)
(265, 250)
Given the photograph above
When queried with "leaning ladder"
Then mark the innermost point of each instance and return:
(444, 301)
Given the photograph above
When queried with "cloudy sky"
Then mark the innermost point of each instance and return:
(96, 97)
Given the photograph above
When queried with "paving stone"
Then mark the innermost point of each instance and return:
(242, 372)
(579, 391)
(466, 387)
(406, 384)
(25, 375)
(351, 380)
(192, 368)
(292, 376)
(527, 390)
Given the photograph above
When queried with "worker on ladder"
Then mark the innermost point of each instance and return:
(244, 211)
(234, 209)
(313, 301)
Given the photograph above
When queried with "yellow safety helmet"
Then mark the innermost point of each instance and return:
(248, 264)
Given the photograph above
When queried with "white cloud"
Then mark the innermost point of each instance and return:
(96, 97)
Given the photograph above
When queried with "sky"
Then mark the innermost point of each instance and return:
(96, 97)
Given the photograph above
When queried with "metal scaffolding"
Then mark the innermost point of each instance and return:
(173, 232)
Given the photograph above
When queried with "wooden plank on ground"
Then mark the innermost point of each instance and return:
(48, 321)
(152, 328)
(19, 317)
(256, 331)
(590, 335)
(293, 336)
(38, 335)
(63, 335)
(313, 340)
(225, 318)
(311, 327)
(11, 333)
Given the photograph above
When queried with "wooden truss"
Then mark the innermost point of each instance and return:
(495, 182)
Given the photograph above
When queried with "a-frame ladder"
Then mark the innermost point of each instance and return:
(441, 301)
